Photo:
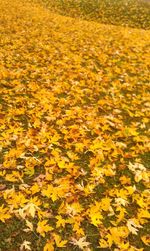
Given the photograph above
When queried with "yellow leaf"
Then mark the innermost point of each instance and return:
(43, 228)
(103, 243)
(32, 210)
(29, 171)
(29, 209)
(4, 214)
(105, 204)
(35, 189)
(146, 240)
(96, 218)
(121, 215)
(95, 214)
(111, 238)
(50, 192)
(62, 164)
(74, 208)
(60, 221)
(78, 229)
(49, 246)
(124, 246)
(59, 242)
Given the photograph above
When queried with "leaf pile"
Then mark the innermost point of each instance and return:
(74, 127)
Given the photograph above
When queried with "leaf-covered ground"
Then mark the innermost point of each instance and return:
(132, 13)
(74, 127)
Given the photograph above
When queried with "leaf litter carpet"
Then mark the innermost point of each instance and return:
(74, 127)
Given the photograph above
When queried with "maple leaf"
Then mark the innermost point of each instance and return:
(121, 201)
(124, 246)
(78, 229)
(59, 242)
(81, 243)
(49, 246)
(121, 215)
(29, 225)
(146, 239)
(105, 204)
(29, 209)
(43, 227)
(133, 227)
(4, 213)
(103, 243)
(74, 208)
(60, 221)
(50, 192)
(95, 214)
(96, 218)
(25, 245)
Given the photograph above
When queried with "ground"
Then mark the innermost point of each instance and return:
(74, 127)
